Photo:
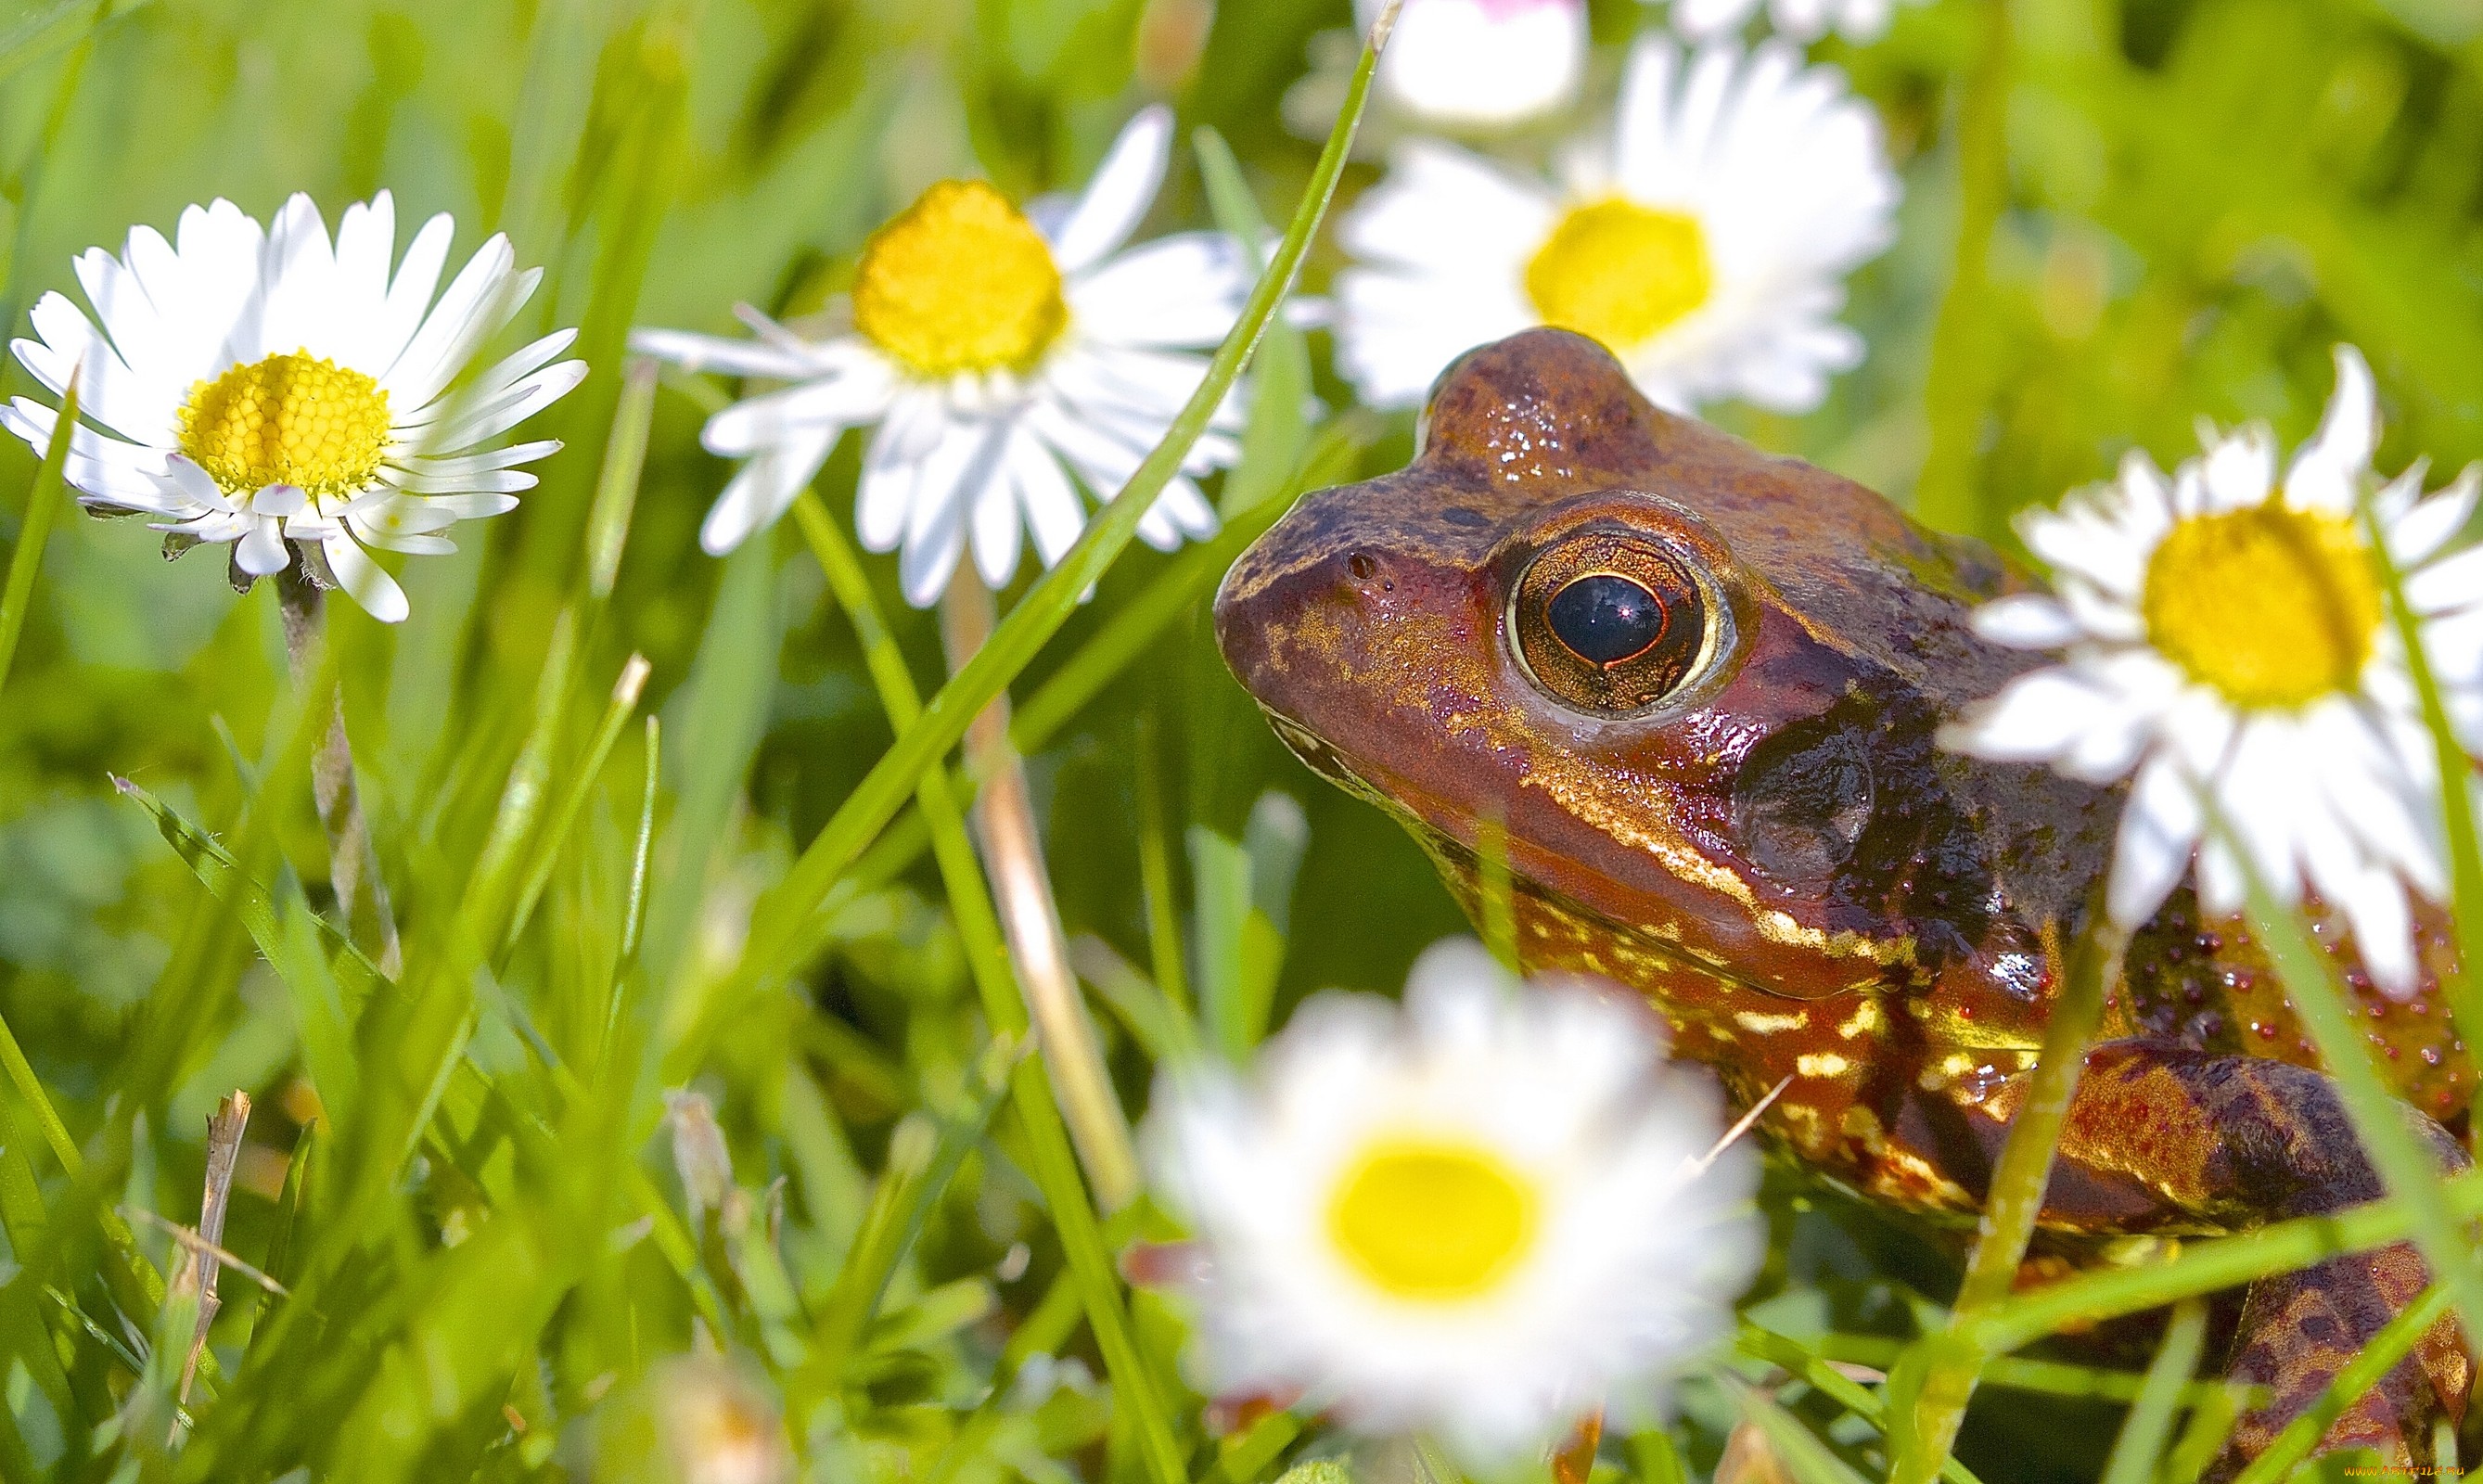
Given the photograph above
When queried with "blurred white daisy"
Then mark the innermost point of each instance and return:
(991, 350)
(1478, 1217)
(1480, 63)
(1453, 66)
(2222, 631)
(1799, 20)
(1704, 242)
(285, 394)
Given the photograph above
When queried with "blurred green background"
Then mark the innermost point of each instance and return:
(2118, 217)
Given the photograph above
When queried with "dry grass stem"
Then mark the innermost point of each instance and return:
(224, 1150)
(1012, 845)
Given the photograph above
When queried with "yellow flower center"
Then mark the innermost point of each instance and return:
(2270, 606)
(291, 419)
(1431, 1219)
(959, 282)
(1620, 272)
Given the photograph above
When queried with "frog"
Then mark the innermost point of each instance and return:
(1690, 695)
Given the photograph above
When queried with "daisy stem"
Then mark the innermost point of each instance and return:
(2457, 811)
(353, 864)
(1012, 844)
(1941, 1370)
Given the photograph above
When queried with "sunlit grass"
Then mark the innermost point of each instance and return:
(694, 1052)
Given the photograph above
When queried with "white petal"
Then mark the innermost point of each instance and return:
(713, 353)
(2417, 535)
(2240, 468)
(2026, 621)
(364, 579)
(2034, 719)
(409, 292)
(1183, 290)
(763, 489)
(2159, 828)
(1054, 510)
(1123, 187)
(482, 298)
(263, 551)
(995, 533)
(2328, 472)
(472, 425)
(836, 402)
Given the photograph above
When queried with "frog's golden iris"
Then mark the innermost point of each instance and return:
(1608, 623)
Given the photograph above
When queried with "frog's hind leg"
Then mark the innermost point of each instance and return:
(2164, 1132)
(2299, 1329)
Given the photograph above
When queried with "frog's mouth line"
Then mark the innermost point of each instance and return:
(1457, 858)
(1320, 757)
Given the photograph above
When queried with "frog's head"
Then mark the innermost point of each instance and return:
(1696, 684)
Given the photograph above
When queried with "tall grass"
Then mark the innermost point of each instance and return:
(705, 1097)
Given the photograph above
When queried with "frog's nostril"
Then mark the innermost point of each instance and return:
(1361, 566)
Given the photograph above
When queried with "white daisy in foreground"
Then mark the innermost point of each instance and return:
(288, 395)
(991, 350)
(2222, 632)
(1800, 21)
(1478, 1217)
(1704, 244)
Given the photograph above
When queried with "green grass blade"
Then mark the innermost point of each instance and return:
(1930, 1392)
(30, 1091)
(1796, 1446)
(634, 918)
(616, 484)
(43, 506)
(2052, 1378)
(1815, 1372)
(2456, 797)
(2143, 1433)
(898, 1208)
(777, 935)
(2203, 1267)
(1273, 439)
(1126, 634)
(564, 820)
(324, 973)
(1155, 876)
(1658, 1459)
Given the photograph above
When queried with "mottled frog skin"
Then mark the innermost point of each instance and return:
(1700, 686)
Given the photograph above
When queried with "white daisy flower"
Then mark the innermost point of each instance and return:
(1477, 65)
(2222, 633)
(1800, 21)
(1480, 1217)
(278, 393)
(991, 350)
(1703, 244)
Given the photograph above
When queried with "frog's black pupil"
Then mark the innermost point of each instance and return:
(1605, 618)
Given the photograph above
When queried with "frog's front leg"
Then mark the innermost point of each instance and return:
(2168, 1136)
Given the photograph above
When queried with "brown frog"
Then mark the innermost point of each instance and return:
(1698, 686)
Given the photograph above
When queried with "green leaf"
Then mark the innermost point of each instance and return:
(2143, 1433)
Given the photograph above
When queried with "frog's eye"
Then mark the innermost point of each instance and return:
(1608, 623)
